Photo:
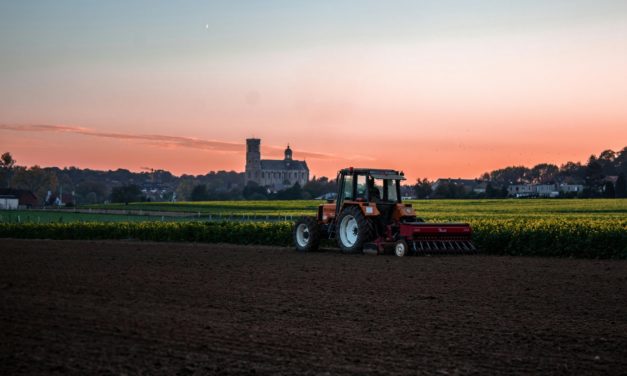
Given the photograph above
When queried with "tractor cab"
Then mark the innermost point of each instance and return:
(377, 191)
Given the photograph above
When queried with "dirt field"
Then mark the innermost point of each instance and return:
(158, 308)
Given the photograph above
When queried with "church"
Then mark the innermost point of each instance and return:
(275, 174)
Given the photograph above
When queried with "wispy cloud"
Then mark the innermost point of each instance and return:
(154, 139)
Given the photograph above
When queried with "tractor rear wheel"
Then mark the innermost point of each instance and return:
(306, 234)
(353, 229)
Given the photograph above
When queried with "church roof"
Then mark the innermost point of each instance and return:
(282, 164)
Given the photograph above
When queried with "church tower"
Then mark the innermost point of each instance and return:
(253, 160)
(288, 153)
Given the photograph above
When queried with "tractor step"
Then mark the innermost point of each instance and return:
(371, 249)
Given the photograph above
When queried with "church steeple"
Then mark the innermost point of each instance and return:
(288, 153)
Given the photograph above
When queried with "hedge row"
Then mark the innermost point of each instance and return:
(581, 238)
(565, 238)
(208, 232)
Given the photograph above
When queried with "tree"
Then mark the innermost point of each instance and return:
(491, 192)
(606, 160)
(621, 161)
(621, 186)
(510, 175)
(254, 191)
(317, 187)
(6, 169)
(571, 172)
(185, 187)
(608, 190)
(450, 190)
(292, 193)
(422, 188)
(91, 192)
(199, 193)
(593, 177)
(35, 179)
(543, 173)
(126, 194)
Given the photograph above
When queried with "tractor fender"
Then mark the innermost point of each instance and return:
(369, 209)
(403, 210)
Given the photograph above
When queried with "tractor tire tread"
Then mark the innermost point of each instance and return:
(314, 233)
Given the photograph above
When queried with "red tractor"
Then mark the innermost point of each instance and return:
(368, 216)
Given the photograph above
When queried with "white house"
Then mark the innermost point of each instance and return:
(9, 202)
(547, 190)
(521, 190)
(568, 188)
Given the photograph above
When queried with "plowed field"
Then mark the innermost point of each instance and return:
(163, 308)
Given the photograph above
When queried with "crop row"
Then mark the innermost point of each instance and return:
(554, 237)
(208, 232)
(430, 209)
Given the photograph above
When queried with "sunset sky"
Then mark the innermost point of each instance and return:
(435, 88)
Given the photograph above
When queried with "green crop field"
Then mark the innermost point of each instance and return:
(48, 216)
(571, 228)
(259, 208)
(427, 209)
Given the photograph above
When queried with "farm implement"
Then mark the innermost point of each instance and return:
(368, 216)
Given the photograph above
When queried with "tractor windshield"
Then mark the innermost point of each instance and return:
(391, 190)
(382, 190)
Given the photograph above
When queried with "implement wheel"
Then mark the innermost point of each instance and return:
(353, 229)
(401, 249)
(306, 234)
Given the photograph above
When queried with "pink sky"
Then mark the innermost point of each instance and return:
(438, 99)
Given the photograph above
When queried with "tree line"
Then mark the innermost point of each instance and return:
(87, 186)
(602, 176)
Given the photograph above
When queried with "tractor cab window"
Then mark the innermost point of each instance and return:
(391, 190)
(347, 193)
(361, 186)
(375, 189)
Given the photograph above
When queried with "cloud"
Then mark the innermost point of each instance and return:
(155, 139)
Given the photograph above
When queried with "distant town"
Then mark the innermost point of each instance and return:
(602, 176)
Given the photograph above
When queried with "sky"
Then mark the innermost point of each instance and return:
(435, 88)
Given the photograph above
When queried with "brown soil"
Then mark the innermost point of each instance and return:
(162, 308)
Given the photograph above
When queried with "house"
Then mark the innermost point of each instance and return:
(521, 190)
(62, 199)
(468, 184)
(480, 188)
(9, 202)
(570, 188)
(26, 198)
(547, 190)
(611, 179)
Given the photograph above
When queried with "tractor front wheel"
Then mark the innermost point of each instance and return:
(353, 229)
(306, 234)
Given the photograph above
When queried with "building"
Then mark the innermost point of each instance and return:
(469, 185)
(547, 190)
(521, 190)
(26, 198)
(543, 190)
(571, 188)
(9, 202)
(273, 174)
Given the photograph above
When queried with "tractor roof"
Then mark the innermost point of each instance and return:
(374, 172)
